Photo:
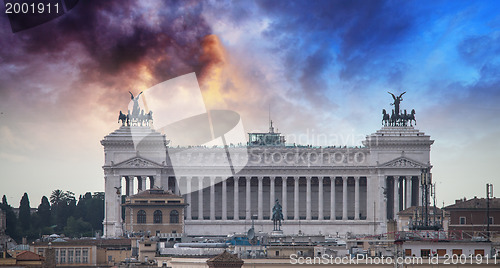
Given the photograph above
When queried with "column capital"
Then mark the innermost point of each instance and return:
(320, 178)
(308, 177)
(356, 178)
(260, 178)
(248, 178)
(272, 178)
(296, 178)
(344, 178)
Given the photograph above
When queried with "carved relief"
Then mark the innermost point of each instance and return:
(403, 163)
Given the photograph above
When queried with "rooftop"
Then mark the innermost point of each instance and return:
(474, 203)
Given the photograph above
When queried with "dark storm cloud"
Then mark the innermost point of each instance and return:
(119, 34)
(113, 44)
(358, 33)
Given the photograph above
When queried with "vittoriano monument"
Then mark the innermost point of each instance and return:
(333, 189)
(398, 117)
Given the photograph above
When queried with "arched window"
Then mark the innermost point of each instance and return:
(174, 216)
(141, 216)
(157, 216)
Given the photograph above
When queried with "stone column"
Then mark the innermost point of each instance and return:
(248, 210)
(130, 185)
(284, 196)
(151, 181)
(236, 213)
(143, 183)
(112, 223)
(344, 198)
(212, 198)
(200, 198)
(356, 198)
(308, 198)
(176, 185)
(139, 184)
(320, 198)
(296, 199)
(396, 196)
(259, 196)
(271, 196)
(408, 191)
(127, 185)
(332, 198)
(224, 199)
(188, 198)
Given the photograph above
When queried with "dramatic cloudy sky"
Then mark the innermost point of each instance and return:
(324, 67)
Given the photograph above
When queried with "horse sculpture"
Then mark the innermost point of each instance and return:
(123, 117)
(411, 117)
(385, 118)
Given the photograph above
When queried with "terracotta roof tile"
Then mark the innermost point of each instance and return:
(225, 257)
(29, 256)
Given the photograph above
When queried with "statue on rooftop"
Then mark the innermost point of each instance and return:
(277, 215)
(397, 101)
(135, 109)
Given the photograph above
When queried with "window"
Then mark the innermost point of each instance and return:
(408, 252)
(157, 217)
(41, 252)
(78, 253)
(457, 252)
(462, 220)
(277, 253)
(70, 255)
(62, 254)
(57, 256)
(479, 252)
(174, 216)
(441, 252)
(85, 255)
(141, 216)
(491, 220)
(425, 253)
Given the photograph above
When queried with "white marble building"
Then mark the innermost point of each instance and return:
(325, 190)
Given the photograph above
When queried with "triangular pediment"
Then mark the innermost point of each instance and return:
(137, 162)
(403, 162)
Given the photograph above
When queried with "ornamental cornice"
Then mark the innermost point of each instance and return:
(137, 162)
(403, 162)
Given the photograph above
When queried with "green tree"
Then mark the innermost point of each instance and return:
(25, 213)
(43, 213)
(63, 207)
(11, 219)
(57, 197)
(77, 228)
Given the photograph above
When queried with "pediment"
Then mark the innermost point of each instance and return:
(403, 162)
(137, 162)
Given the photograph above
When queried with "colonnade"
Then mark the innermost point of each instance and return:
(346, 198)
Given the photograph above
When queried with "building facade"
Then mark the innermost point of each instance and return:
(470, 217)
(322, 189)
(330, 190)
(154, 212)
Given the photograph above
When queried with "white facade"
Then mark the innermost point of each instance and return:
(325, 190)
